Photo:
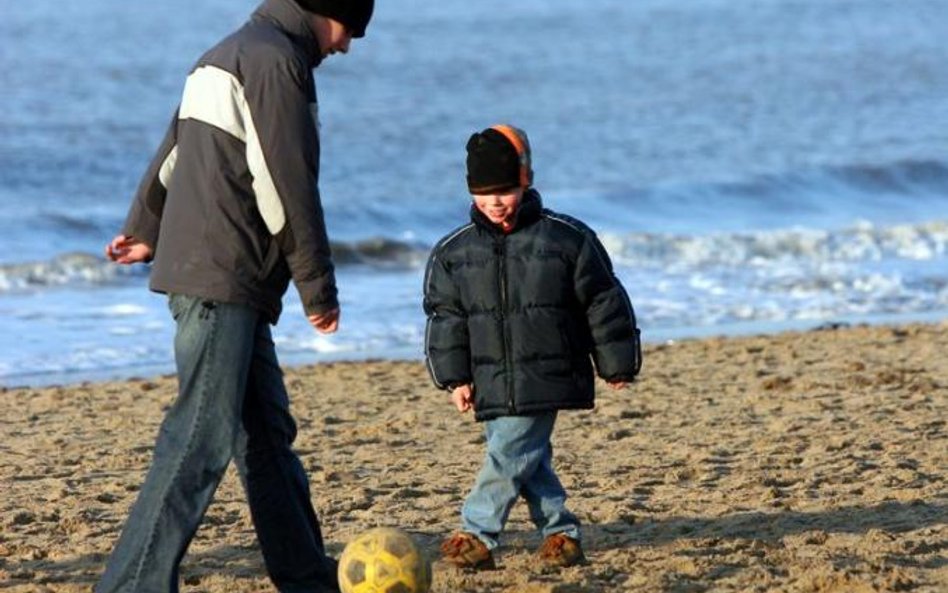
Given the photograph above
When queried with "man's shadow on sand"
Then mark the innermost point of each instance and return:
(245, 561)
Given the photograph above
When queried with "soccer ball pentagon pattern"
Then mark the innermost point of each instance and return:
(384, 560)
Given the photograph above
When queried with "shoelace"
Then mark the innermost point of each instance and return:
(456, 543)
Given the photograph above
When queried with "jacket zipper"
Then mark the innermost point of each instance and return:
(508, 358)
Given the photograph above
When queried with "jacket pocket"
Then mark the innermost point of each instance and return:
(271, 261)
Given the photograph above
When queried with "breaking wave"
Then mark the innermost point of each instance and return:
(863, 242)
(88, 269)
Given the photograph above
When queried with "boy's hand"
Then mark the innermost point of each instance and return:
(617, 385)
(463, 398)
(325, 323)
(127, 250)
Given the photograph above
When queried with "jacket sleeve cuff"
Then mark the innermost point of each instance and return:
(320, 308)
(145, 229)
(318, 295)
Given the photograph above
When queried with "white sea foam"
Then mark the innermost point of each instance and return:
(123, 310)
(123, 331)
(69, 268)
(793, 274)
(861, 242)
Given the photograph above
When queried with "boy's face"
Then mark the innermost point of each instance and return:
(499, 208)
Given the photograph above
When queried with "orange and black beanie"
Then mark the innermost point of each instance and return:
(354, 14)
(498, 159)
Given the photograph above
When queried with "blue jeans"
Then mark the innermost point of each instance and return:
(519, 462)
(231, 404)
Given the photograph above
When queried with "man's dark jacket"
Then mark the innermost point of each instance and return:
(230, 203)
(523, 315)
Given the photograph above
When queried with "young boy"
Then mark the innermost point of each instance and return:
(520, 302)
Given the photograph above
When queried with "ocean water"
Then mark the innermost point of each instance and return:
(751, 165)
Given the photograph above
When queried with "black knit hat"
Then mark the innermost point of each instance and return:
(498, 158)
(354, 14)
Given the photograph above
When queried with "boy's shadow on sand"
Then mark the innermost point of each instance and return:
(244, 561)
(891, 517)
(767, 528)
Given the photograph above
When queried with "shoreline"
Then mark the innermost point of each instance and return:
(297, 359)
(799, 461)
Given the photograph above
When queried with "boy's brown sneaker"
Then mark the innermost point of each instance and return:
(465, 550)
(559, 550)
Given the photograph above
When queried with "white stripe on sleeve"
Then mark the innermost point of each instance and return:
(167, 167)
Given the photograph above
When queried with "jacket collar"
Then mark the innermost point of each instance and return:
(529, 211)
(292, 20)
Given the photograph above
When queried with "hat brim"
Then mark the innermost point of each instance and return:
(492, 189)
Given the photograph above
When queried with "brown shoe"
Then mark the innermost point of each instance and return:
(465, 550)
(561, 551)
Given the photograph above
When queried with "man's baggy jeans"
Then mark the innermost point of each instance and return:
(519, 462)
(231, 403)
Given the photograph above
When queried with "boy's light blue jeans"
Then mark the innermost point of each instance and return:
(232, 403)
(519, 462)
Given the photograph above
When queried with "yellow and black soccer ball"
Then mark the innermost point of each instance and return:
(384, 560)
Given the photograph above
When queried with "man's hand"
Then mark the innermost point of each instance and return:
(617, 385)
(128, 250)
(463, 397)
(325, 323)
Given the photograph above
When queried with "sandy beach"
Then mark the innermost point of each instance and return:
(802, 462)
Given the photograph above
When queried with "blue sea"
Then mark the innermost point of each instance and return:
(752, 166)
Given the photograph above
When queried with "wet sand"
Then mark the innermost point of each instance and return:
(802, 462)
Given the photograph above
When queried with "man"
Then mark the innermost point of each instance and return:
(230, 212)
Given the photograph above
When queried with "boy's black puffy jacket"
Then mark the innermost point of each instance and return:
(520, 314)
